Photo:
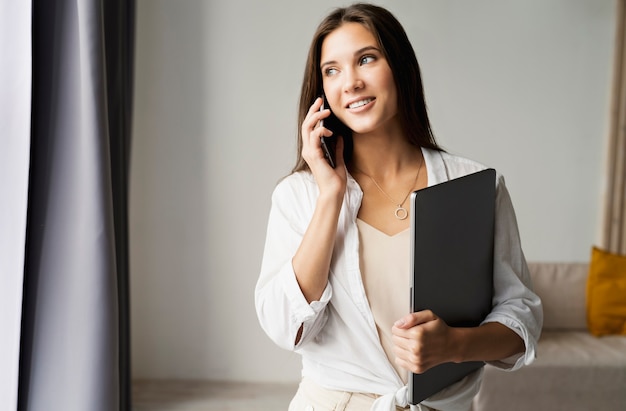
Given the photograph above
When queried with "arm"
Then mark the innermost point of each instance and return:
(305, 279)
(311, 262)
(280, 303)
(511, 329)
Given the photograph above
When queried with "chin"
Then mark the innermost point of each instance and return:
(375, 127)
(362, 129)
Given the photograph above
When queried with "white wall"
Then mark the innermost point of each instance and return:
(521, 86)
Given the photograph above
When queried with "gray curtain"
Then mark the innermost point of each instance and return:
(74, 340)
(15, 113)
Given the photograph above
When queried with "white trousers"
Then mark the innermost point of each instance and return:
(312, 397)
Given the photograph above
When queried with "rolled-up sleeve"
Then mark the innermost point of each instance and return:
(280, 305)
(515, 305)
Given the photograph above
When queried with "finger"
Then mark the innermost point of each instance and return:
(411, 359)
(416, 318)
(405, 343)
(312, 141)
(312, 151)
(416, 367)
(315, 107)
(411, 355)
(314, 115)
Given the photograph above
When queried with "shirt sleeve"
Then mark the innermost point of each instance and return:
(280, 305)
(515, 305)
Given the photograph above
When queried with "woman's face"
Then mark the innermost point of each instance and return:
(358, 82)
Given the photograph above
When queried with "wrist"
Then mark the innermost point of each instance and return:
(459, 344)
(330, 199)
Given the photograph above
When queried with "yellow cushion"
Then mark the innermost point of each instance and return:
(606, 293)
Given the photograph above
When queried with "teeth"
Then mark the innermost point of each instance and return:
(360, 103)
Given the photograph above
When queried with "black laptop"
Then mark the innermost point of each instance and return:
(452, 226)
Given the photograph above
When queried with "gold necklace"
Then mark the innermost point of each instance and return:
(401, 213)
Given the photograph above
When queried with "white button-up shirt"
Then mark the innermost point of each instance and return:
(340, 346)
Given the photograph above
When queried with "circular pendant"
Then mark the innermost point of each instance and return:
(401, 213)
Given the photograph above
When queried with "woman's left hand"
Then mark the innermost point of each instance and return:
(423, 340)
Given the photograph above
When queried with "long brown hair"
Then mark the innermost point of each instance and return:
(397, 49)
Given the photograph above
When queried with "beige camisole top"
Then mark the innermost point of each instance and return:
(385, 265)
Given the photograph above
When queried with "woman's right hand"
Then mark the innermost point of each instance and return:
(331, 181)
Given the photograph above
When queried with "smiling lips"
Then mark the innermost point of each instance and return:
(360, 103)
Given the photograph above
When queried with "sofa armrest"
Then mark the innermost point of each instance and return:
(561, 287)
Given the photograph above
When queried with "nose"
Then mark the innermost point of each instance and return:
(352, 81)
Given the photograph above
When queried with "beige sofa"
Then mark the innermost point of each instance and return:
(573, 370)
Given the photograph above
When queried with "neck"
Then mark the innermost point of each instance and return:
(383, 155)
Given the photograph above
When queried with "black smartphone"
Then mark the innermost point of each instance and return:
(329, 144)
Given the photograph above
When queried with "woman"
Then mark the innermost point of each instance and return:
(335, 274)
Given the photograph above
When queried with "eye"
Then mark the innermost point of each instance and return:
(330, 71)
(366, 60)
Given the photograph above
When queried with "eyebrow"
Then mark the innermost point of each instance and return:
(356, 53)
